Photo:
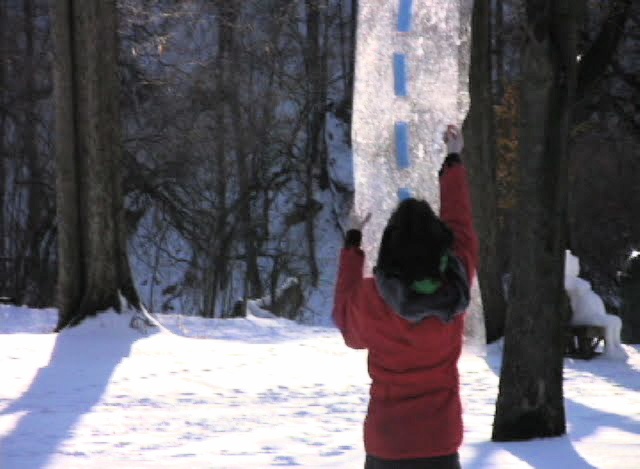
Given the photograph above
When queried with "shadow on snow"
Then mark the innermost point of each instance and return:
(78, 373)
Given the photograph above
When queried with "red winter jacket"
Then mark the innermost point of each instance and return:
(414, 409)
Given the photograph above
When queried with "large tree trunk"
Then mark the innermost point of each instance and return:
(530, 401)
(480, 137)
(93, 263)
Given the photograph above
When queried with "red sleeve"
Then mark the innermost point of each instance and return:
(346, 313)
(455, 211)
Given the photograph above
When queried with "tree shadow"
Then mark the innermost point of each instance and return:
(557, 452)
(586, 420)
(78, 373)
(548, 453)
(582, 421)
(616, 372)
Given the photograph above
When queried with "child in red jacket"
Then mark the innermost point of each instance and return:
(409, 316)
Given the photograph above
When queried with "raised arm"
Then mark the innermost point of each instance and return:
(346, 314)
(455, 203)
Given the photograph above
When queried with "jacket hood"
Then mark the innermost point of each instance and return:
(449, 301)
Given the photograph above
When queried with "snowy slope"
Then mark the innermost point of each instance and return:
(256, 393)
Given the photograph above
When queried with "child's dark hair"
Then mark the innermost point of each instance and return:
(413, 242)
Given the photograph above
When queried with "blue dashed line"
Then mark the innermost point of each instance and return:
(404, 17)
(402, 145)
(400, 74)
(405, 13)
(404, 193)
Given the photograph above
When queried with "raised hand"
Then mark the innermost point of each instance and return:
(453, 138)
(356, 221)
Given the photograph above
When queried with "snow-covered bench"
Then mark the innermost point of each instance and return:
(590, 322)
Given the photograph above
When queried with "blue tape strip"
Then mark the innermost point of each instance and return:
(404, 16)
(404, 193)
(402, 145)
(400, 74)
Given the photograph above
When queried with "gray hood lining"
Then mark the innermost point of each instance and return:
(449, 301)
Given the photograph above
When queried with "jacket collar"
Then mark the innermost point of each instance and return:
(447, 302)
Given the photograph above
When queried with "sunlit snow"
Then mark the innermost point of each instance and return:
(238, 393)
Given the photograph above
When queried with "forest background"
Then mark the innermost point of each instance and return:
(235, 123)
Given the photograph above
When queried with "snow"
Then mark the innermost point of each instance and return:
(257, 393)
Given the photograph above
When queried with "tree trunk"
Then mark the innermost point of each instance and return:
(93, 263)
(315, 65)
(316, 68)
(31, 263)
(480, 137)
(4, 235)
(216, 263)
(595, 61)
(352, 63)
(253, 283)
(498, 49)
(530, 401)
(630, 293)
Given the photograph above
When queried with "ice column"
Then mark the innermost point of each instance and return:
(410, 81)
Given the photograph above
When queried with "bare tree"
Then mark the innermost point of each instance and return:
(481, 138)
(530, 402)
(93, 266)
(27, 225)
(4, 271)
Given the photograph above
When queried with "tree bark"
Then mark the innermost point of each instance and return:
(498, 49)
(630, 310)
(530, 401)
(480, 137)
(4, 235)
(93, 263)
(350, 70)
(31, 265)
(600, 54)
(598, 57)
(218, 248)
(315, 64)
(253, 284)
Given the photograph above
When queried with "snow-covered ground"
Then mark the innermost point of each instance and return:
(256, 393)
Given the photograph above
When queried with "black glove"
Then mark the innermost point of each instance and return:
(355, 223)
(452, 159)
(353, 238)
